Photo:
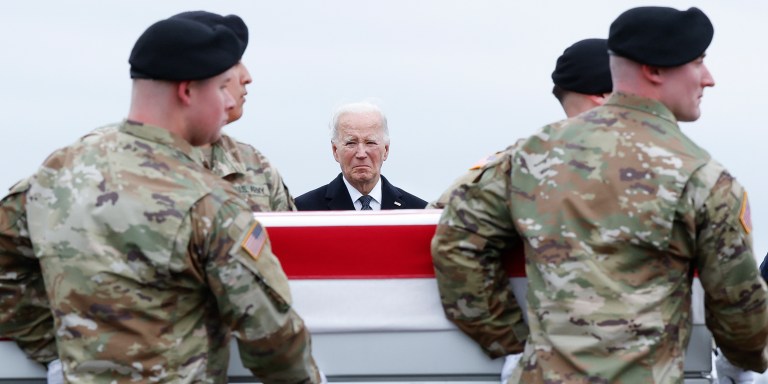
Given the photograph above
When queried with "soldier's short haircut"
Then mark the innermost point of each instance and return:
(559, 93)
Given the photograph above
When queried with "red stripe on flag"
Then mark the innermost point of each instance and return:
(362, 252)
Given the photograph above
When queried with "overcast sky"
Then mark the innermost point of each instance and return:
(457, 79)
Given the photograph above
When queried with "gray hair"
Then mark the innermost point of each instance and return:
(358, 107)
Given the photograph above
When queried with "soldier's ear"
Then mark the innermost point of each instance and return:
(651, 73)
(597, 100)
(182, 92)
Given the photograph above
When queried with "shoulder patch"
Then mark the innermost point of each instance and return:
(254, 240)
(745, 214)
(485, 160)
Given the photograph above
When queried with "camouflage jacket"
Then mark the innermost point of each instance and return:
(26, 315)
(242, 165)
(151, 262)
(250, 173)
(616, 210)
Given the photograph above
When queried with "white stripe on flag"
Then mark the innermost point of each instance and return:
(349, 218)
(335, 306)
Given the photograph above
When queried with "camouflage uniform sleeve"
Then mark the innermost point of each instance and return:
(281, 199)
(474, 231)
(252, 293)
(735, 294)
(25, 314)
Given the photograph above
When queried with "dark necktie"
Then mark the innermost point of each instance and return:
(366, 202)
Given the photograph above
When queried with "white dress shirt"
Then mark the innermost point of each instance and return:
(355, 195)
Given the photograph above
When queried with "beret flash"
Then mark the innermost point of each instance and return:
(583, 68)
(660, 36)
(178, 49)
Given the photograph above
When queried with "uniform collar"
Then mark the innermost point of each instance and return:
(642, 104)
(221, 159)
(161, 136)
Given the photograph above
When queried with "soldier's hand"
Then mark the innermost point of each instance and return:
(55, 373)
(510, 362)
(731, 374)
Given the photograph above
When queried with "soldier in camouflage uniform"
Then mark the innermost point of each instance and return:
(151, 261)
(242, 165)
(617, 210)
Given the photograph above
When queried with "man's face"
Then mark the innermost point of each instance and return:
(359, 147)
(683, 88)
(236, 88)
(209, 105)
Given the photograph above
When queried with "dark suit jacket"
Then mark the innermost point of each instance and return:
(335, 197)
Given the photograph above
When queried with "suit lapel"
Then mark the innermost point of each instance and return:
(337, 197)
(390, 196)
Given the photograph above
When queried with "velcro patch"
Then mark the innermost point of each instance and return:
(254, 240)
(485, 160)
(745, 215)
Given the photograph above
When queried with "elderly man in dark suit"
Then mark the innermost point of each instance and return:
(360, 143)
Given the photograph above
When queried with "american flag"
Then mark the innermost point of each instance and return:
(254, 241)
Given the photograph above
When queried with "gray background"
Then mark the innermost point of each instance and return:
(458, 79)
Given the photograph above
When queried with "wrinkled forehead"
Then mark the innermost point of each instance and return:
(360, 125)
(361, 120)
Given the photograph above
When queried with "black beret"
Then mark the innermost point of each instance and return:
(233, 22)
(660, 36)
(178, 49)
(583, 68)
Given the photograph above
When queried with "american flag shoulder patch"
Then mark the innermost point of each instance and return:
(254, 240)
(745, 215)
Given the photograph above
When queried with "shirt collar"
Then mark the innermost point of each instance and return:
(355, 194)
